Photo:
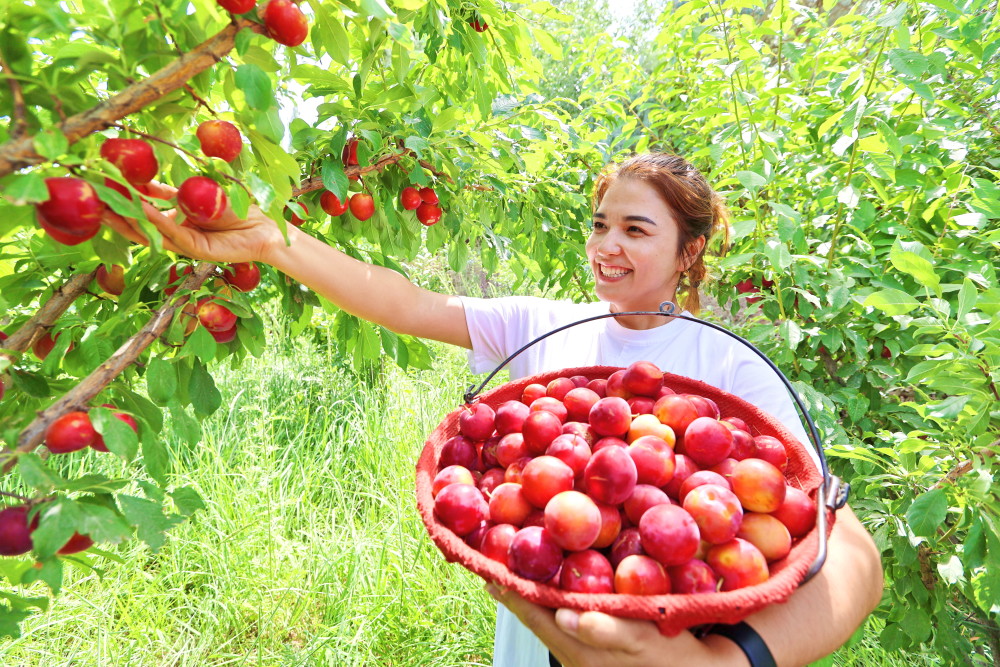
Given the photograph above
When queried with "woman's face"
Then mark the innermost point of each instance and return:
(633, 247)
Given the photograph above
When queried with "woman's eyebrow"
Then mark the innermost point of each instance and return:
(630, 218)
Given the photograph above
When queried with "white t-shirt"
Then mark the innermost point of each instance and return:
(498, 327)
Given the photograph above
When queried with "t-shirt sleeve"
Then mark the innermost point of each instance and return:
(495, 326)
(757, 382)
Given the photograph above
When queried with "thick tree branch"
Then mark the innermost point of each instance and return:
(79, 396)
(20, 153)
(45, 317)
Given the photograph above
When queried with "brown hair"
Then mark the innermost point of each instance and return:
(699, 210)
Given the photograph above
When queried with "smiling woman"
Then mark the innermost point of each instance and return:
(656, 210)
(653, 216)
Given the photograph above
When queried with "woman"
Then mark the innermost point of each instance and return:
(653, 217)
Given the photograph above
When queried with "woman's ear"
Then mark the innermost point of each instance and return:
(691, 252)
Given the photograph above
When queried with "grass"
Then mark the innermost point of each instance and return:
(310, 550)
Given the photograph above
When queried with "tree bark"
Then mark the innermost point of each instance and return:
(45, 317)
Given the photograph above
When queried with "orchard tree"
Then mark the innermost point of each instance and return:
(420, 131)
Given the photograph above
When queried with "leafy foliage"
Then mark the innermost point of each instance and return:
(858, 151)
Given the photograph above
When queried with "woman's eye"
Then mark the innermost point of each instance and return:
(598, 225)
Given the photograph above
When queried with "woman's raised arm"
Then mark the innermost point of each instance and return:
(373, 293)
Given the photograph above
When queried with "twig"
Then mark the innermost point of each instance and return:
(19, 153)
(198, 99)
(445, 177)
(15, 496)
(155, 138)
(965, 466)
(45, 317)
(78, 397)
(19, 124)
(314, 183)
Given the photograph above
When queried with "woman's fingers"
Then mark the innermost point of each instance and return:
(160, 190)
(603, 631)
(123, 227)
(176, 238)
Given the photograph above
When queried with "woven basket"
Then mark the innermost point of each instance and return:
(672, 613)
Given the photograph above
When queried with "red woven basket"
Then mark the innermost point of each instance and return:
(672, 613)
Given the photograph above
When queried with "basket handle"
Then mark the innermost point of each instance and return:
(833, 492)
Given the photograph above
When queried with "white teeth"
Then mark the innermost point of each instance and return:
(613, 272)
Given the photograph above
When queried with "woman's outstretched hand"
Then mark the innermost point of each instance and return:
(230, 239)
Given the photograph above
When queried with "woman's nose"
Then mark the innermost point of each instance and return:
(610, 244)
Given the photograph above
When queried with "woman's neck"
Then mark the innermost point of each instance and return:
(643, 322)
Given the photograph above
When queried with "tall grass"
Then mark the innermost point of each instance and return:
(310, 550)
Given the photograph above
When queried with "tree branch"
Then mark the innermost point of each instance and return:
(19, 124)
(314, 183)
(965, 466)
(79, 396)
(45, 317)
(19, 153)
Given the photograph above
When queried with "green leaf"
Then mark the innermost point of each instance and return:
(200, 344)
(187, 429)
(951, 571)
(154, 457)
(751, 180)
(51, 573)
(118, 436)
(263, 192)
(187, 500)
(239, 201)
(58, 520)
(143, 408)
(161, 380)
(417, 144)
(849, 196)
(148, 518)
(24, 189)
(893, 16)
(967, 297)
(927, 513)
(334, 178)
(331, 31)
(51, 144)
(908, 63)
(256, 86)
(205, 396)
(917, 624)
(377, 9)
(10, 621)
(916, 265)
(367, 345)
(891, 301)
(35, 473)
(102, 523)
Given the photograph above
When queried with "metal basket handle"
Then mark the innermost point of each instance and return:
(833, 491)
